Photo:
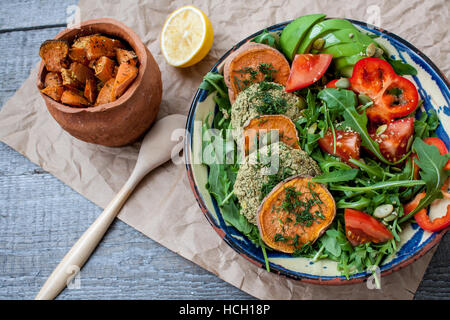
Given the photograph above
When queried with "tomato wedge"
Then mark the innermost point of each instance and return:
(307, 69)
(348, 145)
(394, 140)
(434, 141)
(422, 218)
(393, 96)
(361, 228)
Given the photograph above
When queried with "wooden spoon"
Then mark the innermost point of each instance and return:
(155, 150)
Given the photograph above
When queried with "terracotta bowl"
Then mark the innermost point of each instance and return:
(120, 122)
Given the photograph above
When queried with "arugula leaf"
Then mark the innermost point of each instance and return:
(400, 67)
(427, 123)
(214, 81)
(381, 185)
(344, 101)
(358, 205)
(375, 171)
(331, 242)
(337, 100)
(431, 163)
(221, 179)
(266, 38)
(336, 176)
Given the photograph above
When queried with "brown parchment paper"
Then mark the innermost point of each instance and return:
(163, 206)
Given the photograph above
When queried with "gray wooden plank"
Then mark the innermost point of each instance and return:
(20, 14)
(20, 53)
(41, 218)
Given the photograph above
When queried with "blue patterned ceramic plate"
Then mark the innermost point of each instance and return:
(433, 88)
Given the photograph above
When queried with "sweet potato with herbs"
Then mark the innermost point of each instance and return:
(253, 131)
(104, 95)
(104, 69)
(73, 98)
(52, 79)
(90, 90)
(80, 72)
(76, 69)
(79, 55)
(126, 56)
(69, 80)
(54, 54)
(251, 63)
(98, 46)
(295, 213)
(54, 92)
(125, 76)
(82, 42)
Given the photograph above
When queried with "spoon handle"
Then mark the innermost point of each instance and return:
(82, 249)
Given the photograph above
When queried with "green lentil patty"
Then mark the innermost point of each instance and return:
(262, 99)
(253, 182)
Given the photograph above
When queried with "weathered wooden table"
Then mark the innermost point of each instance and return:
(41, 218)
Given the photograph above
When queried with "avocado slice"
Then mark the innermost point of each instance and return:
(293, 34)
(343, 36)
(321, 29)
(342, 62)
(345, 49)
(347, 71)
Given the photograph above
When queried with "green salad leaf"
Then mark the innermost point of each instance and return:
(221, 179)
(214, 81)
(400, 67)
(267, 38)
(426, 124)
(431, 163)
(336, 176)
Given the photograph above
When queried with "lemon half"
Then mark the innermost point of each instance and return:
(186, 37)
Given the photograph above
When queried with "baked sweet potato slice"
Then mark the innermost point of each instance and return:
(52, 79)
(251, 63)
(104, 69)
(54, 54)
(125, 76)
(295, 213)
(69, 80)
(98, 46)
(73, 98)
(262, 125)
(54, 92)
(104, 95)
(90, 90)
(80, 72)
(126, 56)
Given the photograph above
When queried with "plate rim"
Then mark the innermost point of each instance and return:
(274, 268)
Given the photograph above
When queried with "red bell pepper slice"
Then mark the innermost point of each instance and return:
(422, 218)
(393, 96)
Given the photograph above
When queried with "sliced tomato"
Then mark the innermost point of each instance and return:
(361, 228)
(438, 143)
(307, 69)
(394, 140)
(348, 144)
(393, 96)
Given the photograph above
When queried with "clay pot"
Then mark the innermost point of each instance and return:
(120, 122)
